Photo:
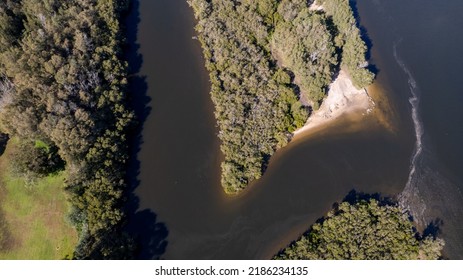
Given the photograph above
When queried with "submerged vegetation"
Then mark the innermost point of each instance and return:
(62, 93)
(270, 63)
(365, 230)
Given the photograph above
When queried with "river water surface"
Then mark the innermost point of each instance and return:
(180, 157)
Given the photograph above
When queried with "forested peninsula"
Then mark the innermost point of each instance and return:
(270, 65)
(63, 97)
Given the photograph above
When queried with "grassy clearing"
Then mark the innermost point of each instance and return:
(33, 216)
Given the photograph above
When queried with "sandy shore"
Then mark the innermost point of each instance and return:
(343, 97)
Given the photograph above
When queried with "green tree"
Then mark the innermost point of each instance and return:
(269, 61)
(63, 79)
(365, 230)
(349, 40)
(41, 160)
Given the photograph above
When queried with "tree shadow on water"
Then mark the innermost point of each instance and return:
(149, 234)
(434, 228)
(355, 196)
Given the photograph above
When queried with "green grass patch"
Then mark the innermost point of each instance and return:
(34, 214)
(40, 144)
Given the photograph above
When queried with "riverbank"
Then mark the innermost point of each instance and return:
(343, 97)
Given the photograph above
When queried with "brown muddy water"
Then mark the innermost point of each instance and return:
(179, 169)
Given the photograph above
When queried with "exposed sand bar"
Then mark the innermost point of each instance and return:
(343, 97)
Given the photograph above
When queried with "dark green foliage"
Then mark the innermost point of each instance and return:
(39, 160)
(350, 41)
(10, 23)
(304, 45)
(252, 49)
(118, 245)
(62, 79)
(255, 112)
(365, 230)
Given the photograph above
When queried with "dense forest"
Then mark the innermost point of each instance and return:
(365, 230)
(63, 95)
(270, 64)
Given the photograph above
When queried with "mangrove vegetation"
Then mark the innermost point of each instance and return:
(364, 230)
(270, 65)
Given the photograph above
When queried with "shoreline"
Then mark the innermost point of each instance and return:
(343, 97)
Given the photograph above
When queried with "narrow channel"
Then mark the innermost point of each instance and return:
(179, 172)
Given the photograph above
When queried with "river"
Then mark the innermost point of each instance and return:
(178, 177)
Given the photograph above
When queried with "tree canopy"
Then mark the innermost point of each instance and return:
(63, 82)
(365, 230)
(265, 58)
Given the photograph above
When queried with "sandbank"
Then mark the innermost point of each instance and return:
(343, 97)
